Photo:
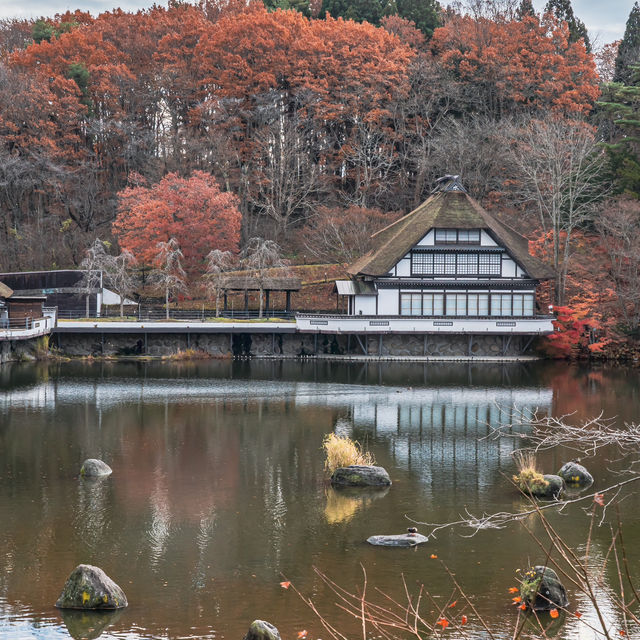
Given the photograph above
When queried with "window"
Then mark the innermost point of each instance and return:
(467, 304)
(432, 304)
(457, 236)
(455, 264)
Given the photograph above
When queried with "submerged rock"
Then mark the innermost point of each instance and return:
(401, 540)
(361, 476)
(542, 590)
(261, 630)
(89, 587)
(548, 486)
(575, 474)
(94, 468)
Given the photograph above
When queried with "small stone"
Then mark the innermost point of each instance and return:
(89, 587)
(261, 630)
(541, 589)
(575, 474)
(361, 476)
(93, 468)
(401, 540)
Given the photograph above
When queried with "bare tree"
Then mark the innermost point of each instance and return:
(260, 256)
(169, 274)
(558, 165)
(119, 276)
(95, 262)
(218, 263)
(619, 227)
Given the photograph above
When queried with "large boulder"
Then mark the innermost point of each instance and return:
(361, 476)
(93, 468)
(542, 486)
(541, 589)
(401, 540)
(89, 587)
(575, 474)
(261, 630)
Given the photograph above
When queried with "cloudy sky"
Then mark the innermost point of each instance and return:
(605, 20)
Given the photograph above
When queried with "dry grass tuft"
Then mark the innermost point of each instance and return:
(343, 452)
(529, 479)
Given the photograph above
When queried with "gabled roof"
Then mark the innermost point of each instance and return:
(5, 291)
(447, 208)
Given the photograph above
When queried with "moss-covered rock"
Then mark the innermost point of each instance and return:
(539, 485)
(542, 590)
(361, 476)
(94, 468)
(261, 630)
(575, 474)
(89, 587)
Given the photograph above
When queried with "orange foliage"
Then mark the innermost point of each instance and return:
(193, 211)
(528, 63)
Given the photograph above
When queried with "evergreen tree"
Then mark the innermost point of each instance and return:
(525, 10)
(629, 49)
(357, 10)
(424, 13)
(563, 10)
(618, 117)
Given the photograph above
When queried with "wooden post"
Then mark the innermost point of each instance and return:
(288, 303)
(225, 301)
(266, 302)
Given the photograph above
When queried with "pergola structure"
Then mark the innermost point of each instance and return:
(266, 284)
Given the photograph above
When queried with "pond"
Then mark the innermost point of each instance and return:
(219, 493)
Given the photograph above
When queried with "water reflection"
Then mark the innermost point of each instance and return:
(219, 488)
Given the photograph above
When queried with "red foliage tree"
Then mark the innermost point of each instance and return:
(528, 63)
(193, 211)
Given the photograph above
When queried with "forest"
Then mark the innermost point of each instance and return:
(313, 123)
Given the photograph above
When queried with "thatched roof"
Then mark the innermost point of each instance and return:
(447, 208)
(5, 291)
(250, 283)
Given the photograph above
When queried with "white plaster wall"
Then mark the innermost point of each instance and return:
(403, 268)
(486, 240)
(428, 240)
(365, 305)
(388, 302)
(509, 268)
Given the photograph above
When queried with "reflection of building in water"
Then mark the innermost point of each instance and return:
(444, 435)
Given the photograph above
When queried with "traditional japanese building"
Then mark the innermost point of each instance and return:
(448, 267)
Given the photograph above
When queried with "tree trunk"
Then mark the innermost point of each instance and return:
(121, 306)
(260, 314)
(87, 305)
(166, 301)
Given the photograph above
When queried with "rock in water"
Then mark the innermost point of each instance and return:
(401, 540)
(90, 587)
(93, 468)
(576, 474)
(541, 589)
(261, 630)
(361, 476)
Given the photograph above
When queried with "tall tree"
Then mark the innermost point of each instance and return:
(563, 11)
(168, 274)
(525, 10)
(218, 263)
(260, 258)
(426, 14)
(629, 48)
(559, 167)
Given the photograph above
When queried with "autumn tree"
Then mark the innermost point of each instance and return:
(192, 211)
(629, 48)
(168, 274)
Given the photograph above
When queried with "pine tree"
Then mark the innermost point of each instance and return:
(629, 49)
(525, 10)
(424, 13)
(563, 10)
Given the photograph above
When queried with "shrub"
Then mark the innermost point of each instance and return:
(529, 479)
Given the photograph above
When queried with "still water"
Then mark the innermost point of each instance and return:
(219, 494)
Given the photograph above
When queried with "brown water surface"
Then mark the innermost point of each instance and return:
(219, 494)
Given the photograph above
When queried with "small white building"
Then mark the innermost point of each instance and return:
(446, 267)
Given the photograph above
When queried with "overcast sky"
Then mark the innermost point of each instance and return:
(605, 19)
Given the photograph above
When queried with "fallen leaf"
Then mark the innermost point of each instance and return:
(577, 614)
(443, 622)
(302, 634)
(598, 498)
(554, 613)
(433, 556)
(285, 585)
(516, 599)
(463, 620)
(513, 589)
(453, 604)
(523, 606)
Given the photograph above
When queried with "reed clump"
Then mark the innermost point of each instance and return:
(341, 451)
